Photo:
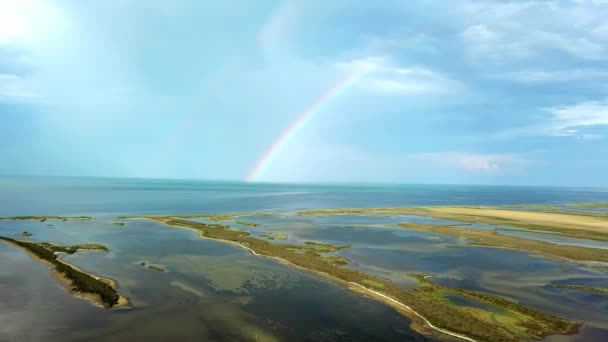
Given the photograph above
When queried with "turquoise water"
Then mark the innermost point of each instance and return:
(216, 291)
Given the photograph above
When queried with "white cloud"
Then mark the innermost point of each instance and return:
(384, 77)
(568, 120)
(566, 75)
(506, 32)
(479, 34)
(13, 87)
(331, 163)
(477, 162)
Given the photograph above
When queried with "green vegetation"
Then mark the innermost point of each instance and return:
(336, 260)
(590, 205)
(528, 323)
(274, 235)
(577, 225)
(373, 283)
(322, 247)
(118, 223)
(45, 218)
(244, 223)
(73, 249)
(156, 268)
(80, 281)
(152, 267)
(520, 318)
(582, 288)
(26, 234)
(211, 217)
(490, 238)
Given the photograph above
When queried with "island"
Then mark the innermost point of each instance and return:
(426, 305)
(100, 290)
(46, 218)
(570, 223)
(601, 290)
(433, 307)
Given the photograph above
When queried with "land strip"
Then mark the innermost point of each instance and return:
(529, 325)
(578, 226)
(490, 238)
(97, 289)
(582, 288)
(45, 218)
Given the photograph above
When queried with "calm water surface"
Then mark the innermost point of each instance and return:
(215, 291)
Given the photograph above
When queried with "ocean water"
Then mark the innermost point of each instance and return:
(97, 196)
(216, 291)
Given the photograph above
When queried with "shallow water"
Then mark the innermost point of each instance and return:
(556, 239)
(211, 290)
(217, 291)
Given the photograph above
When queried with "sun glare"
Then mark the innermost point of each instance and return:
(13, 22)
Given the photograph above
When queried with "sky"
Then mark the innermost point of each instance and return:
(458, 92)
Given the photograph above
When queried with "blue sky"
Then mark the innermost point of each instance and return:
(476, 92)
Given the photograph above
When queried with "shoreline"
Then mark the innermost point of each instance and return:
(414, 316)
(422, 306)
(123, 302)
(388, 300)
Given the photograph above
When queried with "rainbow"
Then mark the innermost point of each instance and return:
(304, 118)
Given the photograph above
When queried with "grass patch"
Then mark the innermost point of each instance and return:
(156, 268)
(490, 238)
(322, 247)
(373, 283)
(572, 224)
(73, 249)
(274, 236)
(590, 205)
(244, 223)
(45, 218)
(118, 223)
(336, 260)
(582, 288)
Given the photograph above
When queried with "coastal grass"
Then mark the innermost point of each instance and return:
(590, 205)
(490, 238)
(322, 247)
(582, 288)
(578, 226)
(46, 218)
(156, 268)
(531, 324)
(337, 260)
(245, 223)
(80, 281)
(74, 248)
(274, 236)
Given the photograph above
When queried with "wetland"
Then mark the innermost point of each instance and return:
(224, 267)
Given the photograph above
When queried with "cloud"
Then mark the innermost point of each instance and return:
(476, 162)
(390, 79)
(479, 34)
(12, 87)
(508, 32)
(569, 120)
(547, 76)
(342, 163)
